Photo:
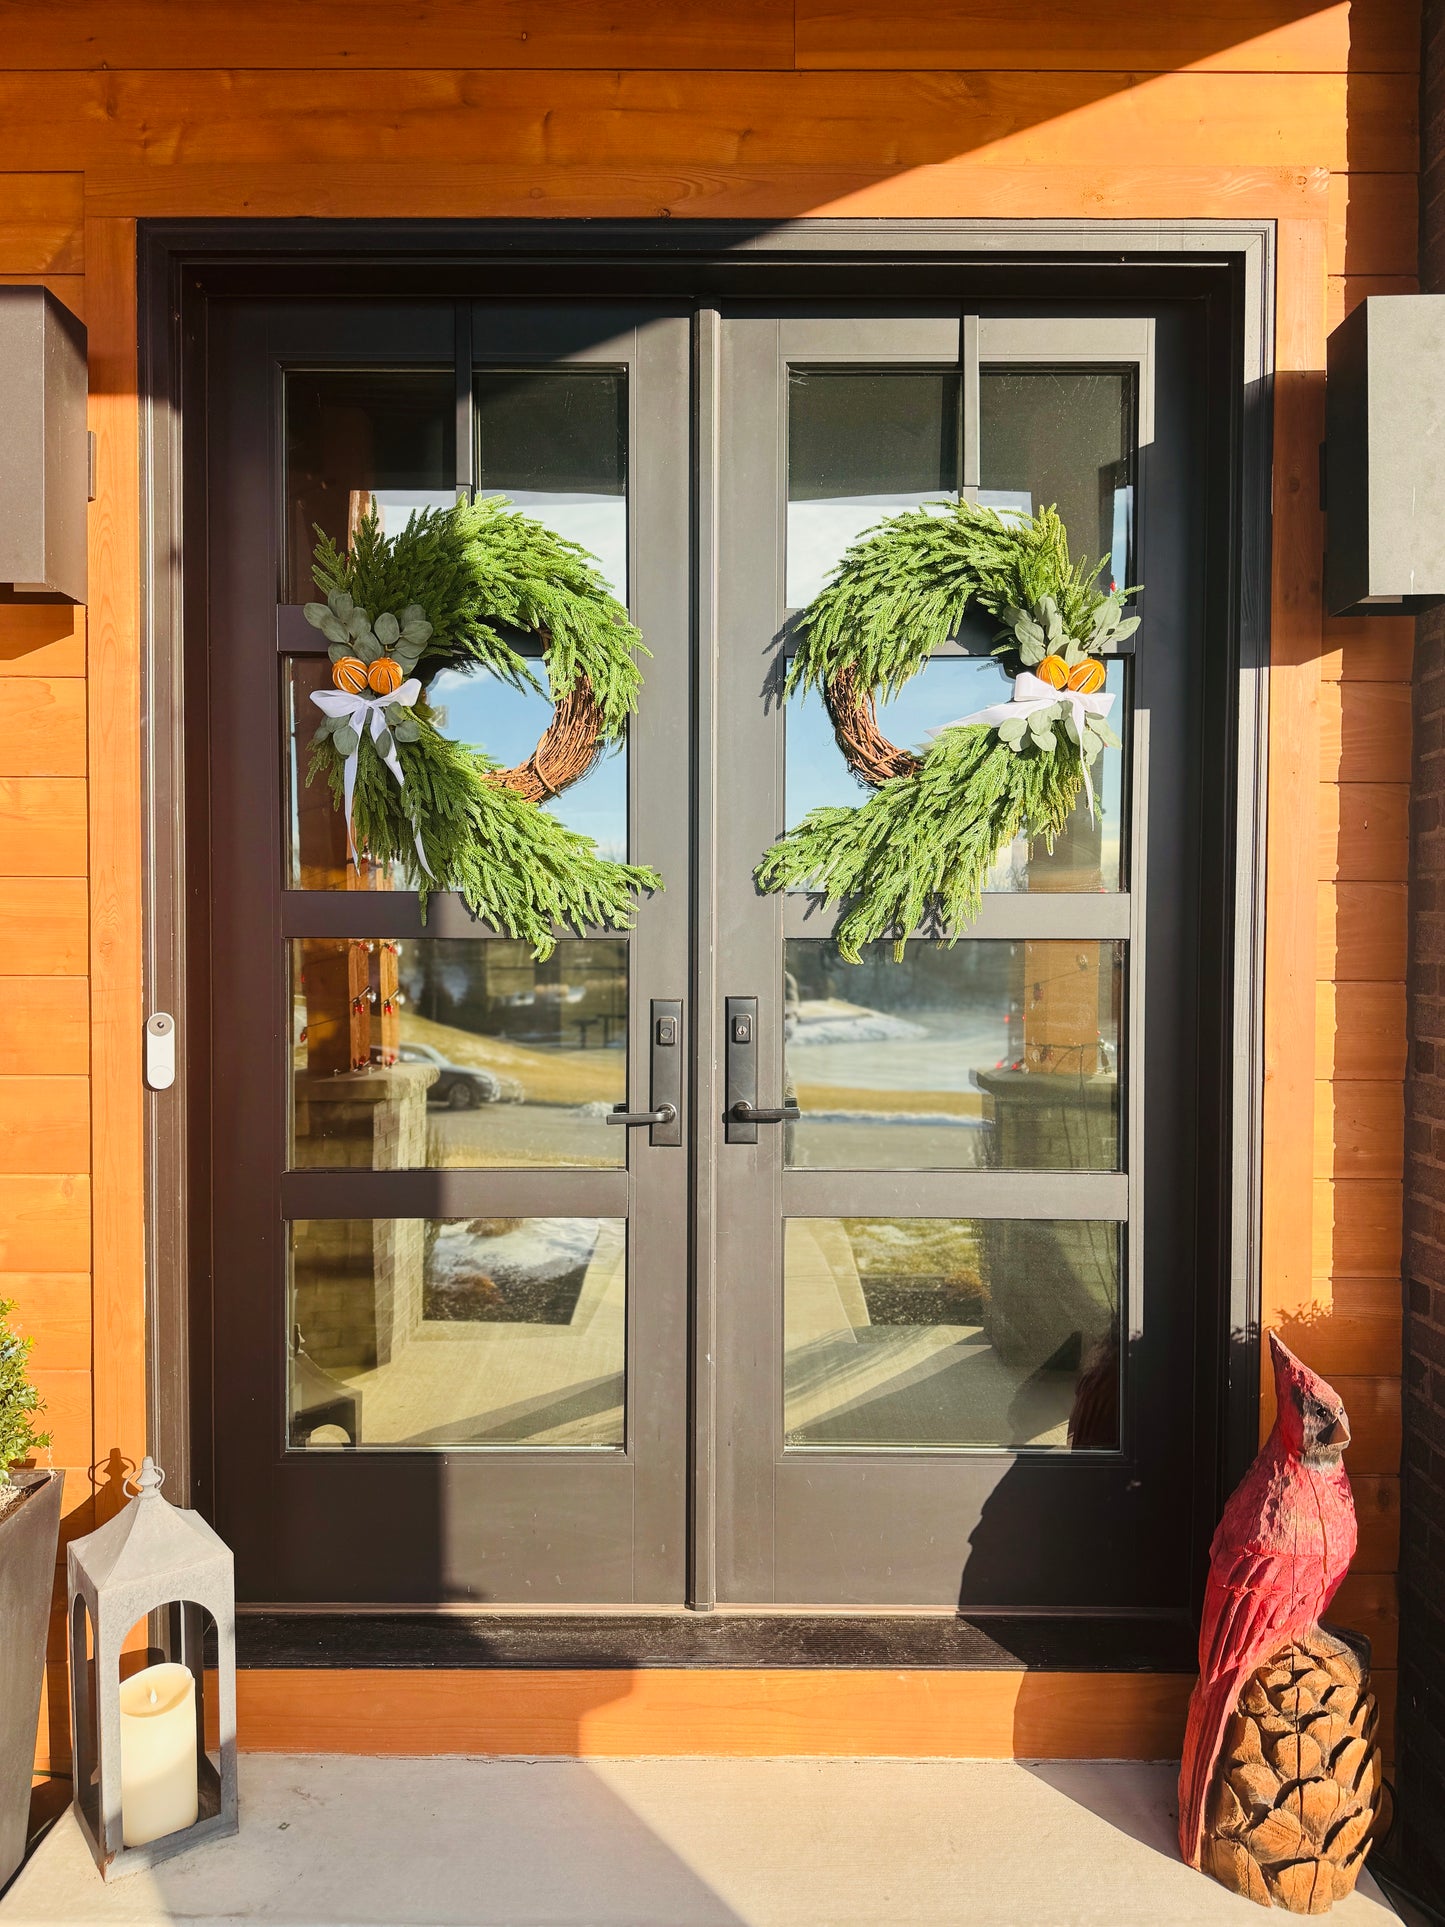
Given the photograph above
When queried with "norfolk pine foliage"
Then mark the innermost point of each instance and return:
(449, 591)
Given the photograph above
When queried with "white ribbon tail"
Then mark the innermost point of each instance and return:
(1032, 694)
(365, 713)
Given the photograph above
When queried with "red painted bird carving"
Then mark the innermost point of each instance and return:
(1282, 1547)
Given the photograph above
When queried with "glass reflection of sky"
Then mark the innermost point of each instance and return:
(489, 714)
(945, 690)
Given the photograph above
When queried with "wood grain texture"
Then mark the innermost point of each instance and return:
(1365, 732)
(1364, 832)
(67, 1414)
(1377, 1510)
(979, 188)
(45, 925)
(114, 701)
(1361, 931)
(881, 121)
(1360, 1029)
(44, 1123)
(1229, 36)
(1374, 223)
(1374, 1408)
(1291, 939)
(371, 33)
(1368, 1603)
(1351, 1325)
(738, 1712)
(44, 1223)
(1359, 1129)
(44, 1026)
(1357, 1231)
(44, 733)
(44, 639)
(53, 1310)
(1368, 649)
(41, 218)
(43, 825)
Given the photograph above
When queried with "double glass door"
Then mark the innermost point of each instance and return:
(929, 1342)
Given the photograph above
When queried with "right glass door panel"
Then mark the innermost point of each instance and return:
(942, 1276)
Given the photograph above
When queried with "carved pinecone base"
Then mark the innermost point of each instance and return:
(1294, 1798)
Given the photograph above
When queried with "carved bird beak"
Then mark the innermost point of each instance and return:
(1336, 1433)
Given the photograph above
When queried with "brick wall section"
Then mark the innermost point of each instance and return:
(1422, 1550)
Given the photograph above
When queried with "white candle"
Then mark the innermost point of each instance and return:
(157, 1753)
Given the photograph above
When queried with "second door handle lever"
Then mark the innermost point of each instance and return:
(747, 1113)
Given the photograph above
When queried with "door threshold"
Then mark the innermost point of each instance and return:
(629, 1639)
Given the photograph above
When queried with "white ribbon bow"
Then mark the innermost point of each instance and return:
(1031, 694)
(363, 713)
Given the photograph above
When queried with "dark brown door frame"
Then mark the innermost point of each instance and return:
(1229, 264)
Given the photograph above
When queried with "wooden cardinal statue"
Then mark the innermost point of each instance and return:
(1283, 1546)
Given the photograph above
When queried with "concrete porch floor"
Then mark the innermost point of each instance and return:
(328, 1841)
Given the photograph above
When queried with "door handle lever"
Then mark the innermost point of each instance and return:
(747, 1113)
(665, 1057)
(664, 1114)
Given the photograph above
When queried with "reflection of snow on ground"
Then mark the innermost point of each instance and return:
(828, 1020)
(534, 1251)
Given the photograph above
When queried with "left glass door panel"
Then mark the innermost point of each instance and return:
(443, 1287)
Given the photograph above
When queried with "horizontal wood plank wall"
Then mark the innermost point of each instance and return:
(769, 109)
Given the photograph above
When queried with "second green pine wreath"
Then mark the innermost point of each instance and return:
(917, 853)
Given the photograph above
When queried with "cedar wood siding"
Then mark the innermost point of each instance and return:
(113, 110)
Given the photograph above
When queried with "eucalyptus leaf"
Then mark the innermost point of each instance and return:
(383, 743)
(346, 740)
(386, 629)
(367, 647)
(339, 651)
(359, 623)
(341, 604)
(332, 629)
(1045, 738)
(416, 631)
(316, 614)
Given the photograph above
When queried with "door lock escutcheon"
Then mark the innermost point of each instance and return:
(664, 1119)
(744, 1114)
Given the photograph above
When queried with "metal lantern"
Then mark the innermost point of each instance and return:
(136, 1743)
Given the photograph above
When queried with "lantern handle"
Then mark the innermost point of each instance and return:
(149, 1479)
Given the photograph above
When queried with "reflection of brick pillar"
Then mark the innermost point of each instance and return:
(1061, 1007)
(338, 1006)
(359, 1282)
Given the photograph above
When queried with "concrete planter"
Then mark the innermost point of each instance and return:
(29, 1529)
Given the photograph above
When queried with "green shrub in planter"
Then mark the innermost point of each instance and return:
(20, 1403)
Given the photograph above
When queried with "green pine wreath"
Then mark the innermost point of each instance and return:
(917, 853)
(457, 588)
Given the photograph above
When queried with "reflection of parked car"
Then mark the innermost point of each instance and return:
(459, 1086)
